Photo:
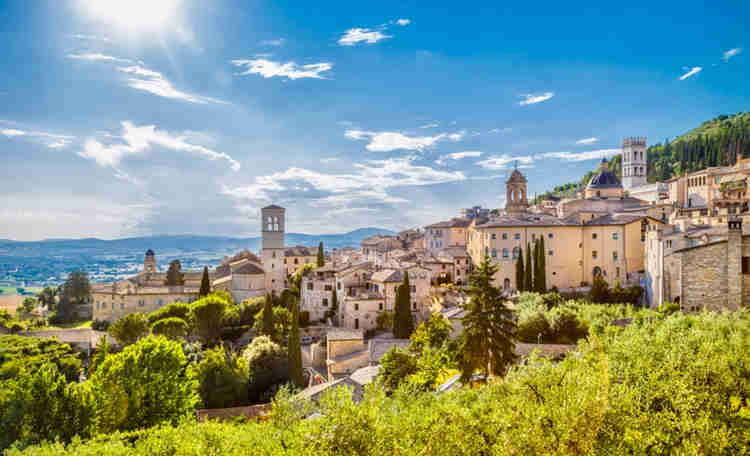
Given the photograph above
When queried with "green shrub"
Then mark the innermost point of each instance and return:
(248, 309)
(30, 353)
(175, 309)
(208, 316)
(268, 366)
(668, 308)
(174, 328)
(100, 325)
(533, 327)
(565, 326)
(142, 386)
(222, 379)
(130, 328)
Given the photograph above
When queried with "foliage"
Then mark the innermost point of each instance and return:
(40, 404)
(403, 321)
(331, 313)
(534, 327)
(294, 349)
(46, 298)
(29, 304)
(173, 328)
(266, 318)
(528, 279)
(542, 268)
(30, 353)
(395, 366)
(669, 385)
(205, 289)
(175, 277)
(5, 318)
(100, 325)
(280, 322)
(207, 315)
(142, 386)
(248, 308)
(222, 379)
(668, 308)
(321, 261)
(225, 295)
(175, 309)
(74, 291)
(100, 354)
(129, 328)
(520, 274)
(268, 365)
(384, 320)
(487, 342)
(431, 333)
(599, 290)
(304, 319)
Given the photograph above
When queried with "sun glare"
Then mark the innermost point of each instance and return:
(133, 13)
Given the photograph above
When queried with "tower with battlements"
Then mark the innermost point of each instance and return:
(272, 250)
(634, 163)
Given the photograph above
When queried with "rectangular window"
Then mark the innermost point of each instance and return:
(551, 252)
(122, 306)
(614, 236)
(356, 306)
(593, 254)
(517, 236)
(310, 286)
(614, 256)
(617, 272)
(328, 287)
(380, 306)
(746, 265)
(549, 236)
(325, 302)
(413, 288)
(494, 236)
(593, 235)
(505, 235)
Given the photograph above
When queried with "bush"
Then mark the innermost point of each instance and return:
(566, 329)
(668, 308)
(248, 309)
(599, 292)
(142, 386)
(222, 379)
(232, 333)
(19, 353)
(175, 309)
(128, 329)
(208, 315)
(384, 321)
(100, 325)
(173, 328)
(551, 300)
(533, 324)
(268, 366)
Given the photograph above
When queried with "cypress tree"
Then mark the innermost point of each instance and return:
(535, 255)
(321, 255)
(528, 280)
(403, 323)
(334, 305)
(519, 272)
(205, 283)
(268, 326)
(294, 349)
(542, 267)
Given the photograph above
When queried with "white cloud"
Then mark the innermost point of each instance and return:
(503, 130)
(97, 57)
(138, 140)
(731, 53)
(580, 156)
(367, 183)
(430, 125)
(530, 98)
(141, 78)
(89, 37)
(276, 42)
(693, 71)
(458, 156)
(358, 35)
(403, 22)
(502, 161)
(289, 70)
(11, 132)
(591, 140)
(386, 141)
(328, 160)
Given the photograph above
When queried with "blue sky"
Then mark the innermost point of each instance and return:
(184, 116)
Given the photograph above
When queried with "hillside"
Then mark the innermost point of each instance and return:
(713, 143)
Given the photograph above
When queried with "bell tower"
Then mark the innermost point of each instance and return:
(634, 163)
(272, 253)
(149, 262)
(516, 202)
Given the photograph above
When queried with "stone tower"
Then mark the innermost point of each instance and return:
(149, 262)
(515, 194)
(634, 165)
(272, 253)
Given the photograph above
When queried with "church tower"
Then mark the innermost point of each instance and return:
(515, 194)
(634, 162)
(149, 262)
(272, 253)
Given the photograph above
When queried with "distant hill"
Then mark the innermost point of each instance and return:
(169, 243)
(713, 143)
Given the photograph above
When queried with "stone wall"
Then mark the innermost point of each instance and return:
(704, 283)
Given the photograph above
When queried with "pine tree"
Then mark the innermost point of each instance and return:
(321, 255)
(519, 272)
(294, 349)
(542, 267)
(528, 280)
(205, 283)
(403, 322)
(487, 339)
(268, 328)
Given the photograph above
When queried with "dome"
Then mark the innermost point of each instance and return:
(605, 179)
(149, 252)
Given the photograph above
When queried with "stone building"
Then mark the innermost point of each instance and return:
(516, 201)
(634, 163)
(701, 268)
(450, 233)
(295, 257)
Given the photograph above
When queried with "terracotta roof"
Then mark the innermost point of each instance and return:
(344, 334)
(299, 250)
(452, 223)
(249, 268)
(614, 219)
(387, 275)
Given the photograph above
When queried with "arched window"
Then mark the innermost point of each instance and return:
(506, 283)
(269, 223)
(494, 253)
(505, 253)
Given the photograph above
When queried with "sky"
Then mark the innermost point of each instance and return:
(151, 117)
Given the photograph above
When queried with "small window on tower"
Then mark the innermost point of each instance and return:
(746, 265)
